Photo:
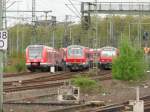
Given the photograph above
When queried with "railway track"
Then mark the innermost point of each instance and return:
(34, 86)
(119, 107)
(28, 99)
(108, 108)
(87, 107)
(67, 106)
(6, 75)
(41, 78)
(37, 83)
(46, 81)
(56, 103)
(82, 107)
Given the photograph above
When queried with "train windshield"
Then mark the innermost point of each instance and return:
(108, 53)
(35, 52)
(75, 52)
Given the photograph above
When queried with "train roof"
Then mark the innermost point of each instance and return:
(38, 45)
(77, 46)
(108, 47)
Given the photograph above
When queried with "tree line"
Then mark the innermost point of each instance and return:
(110, 31)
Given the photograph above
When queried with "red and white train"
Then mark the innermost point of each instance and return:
(106, 55)
(42, 57)
(77, 57)
(74, 57)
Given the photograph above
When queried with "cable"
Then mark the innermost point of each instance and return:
(73, 11)
(79, 16)
(11, 4)
(74, 7)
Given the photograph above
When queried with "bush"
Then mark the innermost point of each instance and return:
(85, 83)
(15, 63)
(9, 69)
(20, 66)
(129, 65)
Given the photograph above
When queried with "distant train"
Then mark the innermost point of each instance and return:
(106, 55)
(42, 57)
(77, 57)
(73, 57)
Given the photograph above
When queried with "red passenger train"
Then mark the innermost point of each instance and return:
(42, 57)
(77, 57)
(106, 55)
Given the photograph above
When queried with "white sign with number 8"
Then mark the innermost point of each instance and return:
(3, 39)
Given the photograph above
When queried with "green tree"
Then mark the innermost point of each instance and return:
(129, 65)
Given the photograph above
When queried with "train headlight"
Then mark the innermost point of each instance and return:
(28, 61)
(42, 60)
(103, 60)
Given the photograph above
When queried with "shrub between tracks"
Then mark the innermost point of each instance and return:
(85, 83)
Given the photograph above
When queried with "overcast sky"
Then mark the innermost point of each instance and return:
(58, 7)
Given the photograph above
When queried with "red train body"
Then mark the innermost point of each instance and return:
(74, 57)
(41, 57)
(77, 57)
(106, 55)
(94, 54)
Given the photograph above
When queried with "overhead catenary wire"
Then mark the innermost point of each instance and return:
(73, 11)
(74, 7)
(7, 1)
(11, 4)
(79, 16)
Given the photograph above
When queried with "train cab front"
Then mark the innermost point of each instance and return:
(105, 63)
(34, 58)
(106, 57)
(76, 64)
(33, 64)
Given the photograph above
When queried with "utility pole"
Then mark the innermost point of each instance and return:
(1, 59)
(46, 25)
(53, 30)
(96, 36)
(72, 41)
(53, 20)
(4, 27)
(17, 41)
(111, 31)
(96, 23)
(4, 15)
(46, 13)
(65, 42)
(33, 40)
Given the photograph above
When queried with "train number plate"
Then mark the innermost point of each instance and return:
(34, 64)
